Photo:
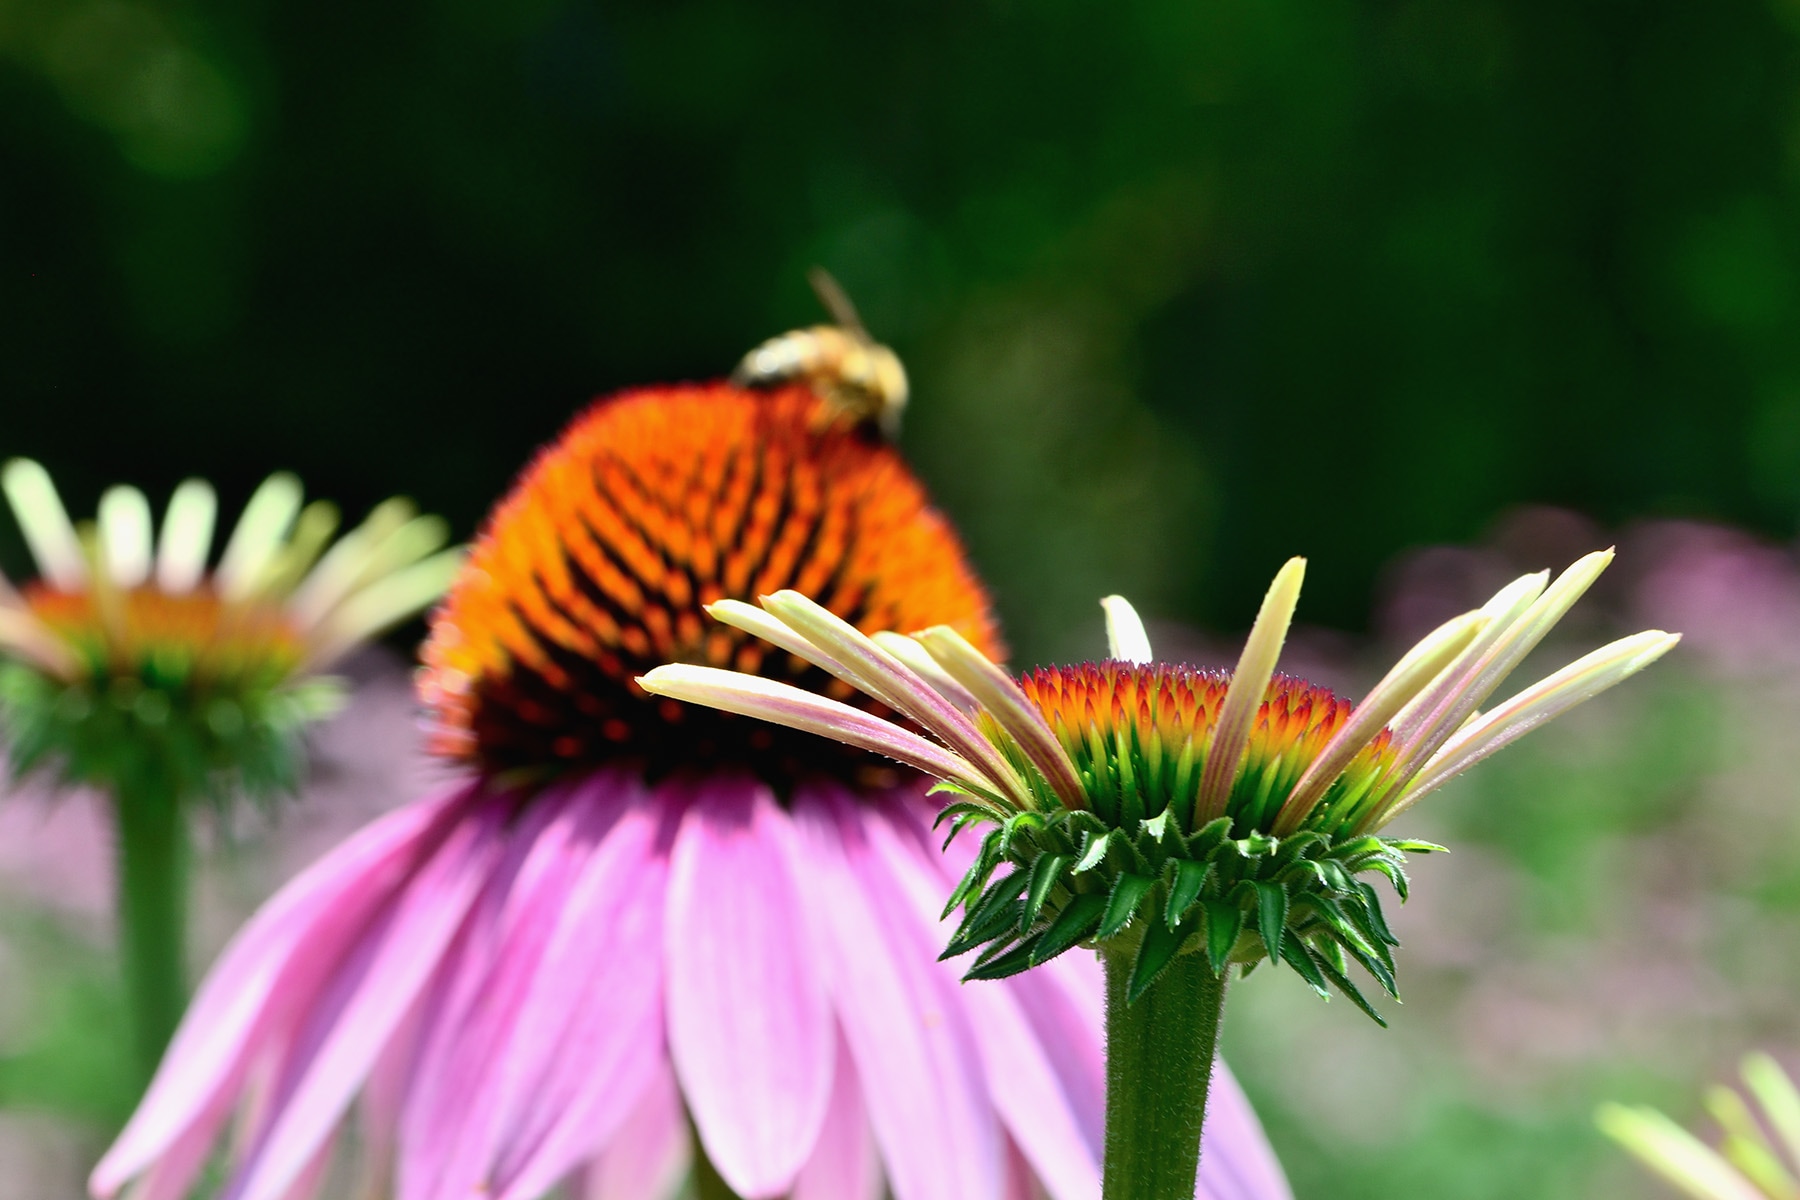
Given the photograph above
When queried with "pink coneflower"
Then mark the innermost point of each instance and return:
(632, 918)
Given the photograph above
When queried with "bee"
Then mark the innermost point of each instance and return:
(858, 378)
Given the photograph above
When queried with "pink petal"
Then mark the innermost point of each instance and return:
(589, 1037)
(172, 1175)
(1026, 1090)
(906, 1030)
(383, 1098)
(843, 1165)
(370, 993)
(651, 1153)
(454, 1106)
(270, 969)
(307, 1184)
(1019, 1179)
(749, 1027)
(1236, 1161)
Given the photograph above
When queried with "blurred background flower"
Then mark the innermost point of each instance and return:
(1182, 290)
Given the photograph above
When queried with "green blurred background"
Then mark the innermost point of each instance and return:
(1184, 287)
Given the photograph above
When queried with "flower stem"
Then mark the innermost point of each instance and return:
(153, 894)
(1159, 1057)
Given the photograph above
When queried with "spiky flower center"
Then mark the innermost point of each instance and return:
(171, 641)
(1140, 734)
(651, 505)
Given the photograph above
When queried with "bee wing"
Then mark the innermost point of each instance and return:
(836, 302)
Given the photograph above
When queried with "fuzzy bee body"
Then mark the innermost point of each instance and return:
(859, 380)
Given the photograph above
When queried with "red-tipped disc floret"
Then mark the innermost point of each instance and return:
(1140, 733)
(652, 504)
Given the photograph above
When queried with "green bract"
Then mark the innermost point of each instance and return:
(1158, 891)
(128, 737)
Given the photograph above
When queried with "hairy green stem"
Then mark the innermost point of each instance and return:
(1159, 1058)
(153, 895)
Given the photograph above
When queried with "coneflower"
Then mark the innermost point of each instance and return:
(1180, 821)
(630, 917)
(133, 667)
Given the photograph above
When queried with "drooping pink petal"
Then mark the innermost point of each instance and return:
(1236, 1161)
(908, 1034)
(750, 1028)
(371, 991)
(384, 1097)
(1019, 1179)
(271, 970)
(453, 1108)
(651, 1152)
(172, 1175)
(843, 1165)
(589, 1036)
(1025, 1088)
(312, 1177)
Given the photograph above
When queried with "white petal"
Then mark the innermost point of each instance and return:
(1414, 672)
(879, 674)
(1009, 706)
(1503, 609)
(1581, 680)
(1125, 636)
(45, 525)
(772, 629)
(797, 708)
(125, 535)
(1780, 1102)
(384, 604)
(259, 533)
(186, 536)
(1509, 647)
(1249, 683)
(908, 651)
(355, 559)
(1674, 1153)
(24, 636)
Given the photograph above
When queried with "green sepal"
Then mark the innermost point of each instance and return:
(1395, 874)
(1012, 825)
(1046, 872)
(1075, 924)
(1343, 984)
(1094, 852)
(1184, 889)
(1209, 837)
(1224, 922)
(1127, 894)
(1153, 954)
(1003, 965)
(976, 877)
(1295, 954)
(993, 913)
(1271, 915)
(1371, 908)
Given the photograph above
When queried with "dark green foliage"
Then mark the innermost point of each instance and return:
(1160, 893)
(127, 738)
